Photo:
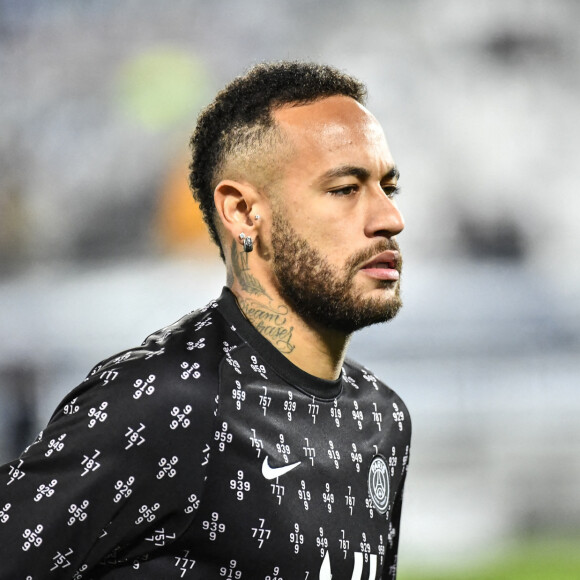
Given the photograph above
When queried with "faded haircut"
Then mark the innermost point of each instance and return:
(238, 127)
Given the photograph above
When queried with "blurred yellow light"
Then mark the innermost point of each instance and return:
(161, 87)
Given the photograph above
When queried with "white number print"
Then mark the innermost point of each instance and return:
(240, 486)
(358, 568)
(214, 527)
(181, 417)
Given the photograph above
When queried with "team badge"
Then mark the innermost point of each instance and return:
(379, 483)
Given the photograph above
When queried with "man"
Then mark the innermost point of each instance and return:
(238, 442)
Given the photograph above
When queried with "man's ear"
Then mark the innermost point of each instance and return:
(234, 202)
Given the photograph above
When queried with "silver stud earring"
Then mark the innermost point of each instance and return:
(257, 217)
(242, 236)
(248, 244)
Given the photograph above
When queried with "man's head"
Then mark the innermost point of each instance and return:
(237, 137)
(315, 164)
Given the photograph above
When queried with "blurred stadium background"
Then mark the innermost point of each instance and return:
(100, 242)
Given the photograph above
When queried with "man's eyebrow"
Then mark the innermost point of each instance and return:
(359, 172)
(393, 173)
(346, 171)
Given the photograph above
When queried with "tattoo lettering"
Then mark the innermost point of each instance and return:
(241, 270)
(270, 323)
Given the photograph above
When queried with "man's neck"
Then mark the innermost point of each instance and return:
(317, 351)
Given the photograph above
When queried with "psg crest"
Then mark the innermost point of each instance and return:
(379, 483)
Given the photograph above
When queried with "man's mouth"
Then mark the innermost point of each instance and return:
(388, 259)
(384, 266)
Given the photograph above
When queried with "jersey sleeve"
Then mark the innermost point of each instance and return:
(390, 566)
(117, 473)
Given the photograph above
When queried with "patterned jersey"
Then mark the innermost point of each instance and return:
(206, 454)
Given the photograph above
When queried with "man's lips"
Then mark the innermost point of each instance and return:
(387, 259)
(384, 266)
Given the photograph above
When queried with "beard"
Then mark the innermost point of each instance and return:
(317, 294)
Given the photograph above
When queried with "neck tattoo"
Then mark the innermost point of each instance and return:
(269, 320)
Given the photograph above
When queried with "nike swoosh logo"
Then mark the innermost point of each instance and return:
(274, 472)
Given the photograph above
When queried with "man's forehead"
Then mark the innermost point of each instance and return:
(330, 126)
(334, 110)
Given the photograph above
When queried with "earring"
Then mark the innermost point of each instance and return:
(242, 236)
(248, 244)
(257, 217)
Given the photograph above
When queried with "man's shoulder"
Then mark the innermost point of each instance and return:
(355, 371)
(179, 362)
(359, 376)
(194, 333)
(368, 389)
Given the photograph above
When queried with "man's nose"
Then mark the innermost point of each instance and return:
(385, 218)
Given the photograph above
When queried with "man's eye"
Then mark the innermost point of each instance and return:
(391, 190)
(346, 190)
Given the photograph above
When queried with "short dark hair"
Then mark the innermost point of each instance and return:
(240, 117)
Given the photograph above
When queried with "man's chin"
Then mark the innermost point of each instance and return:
(376, 309)
(380, 291)
(384, 302)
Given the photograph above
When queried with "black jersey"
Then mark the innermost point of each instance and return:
(206, 454)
